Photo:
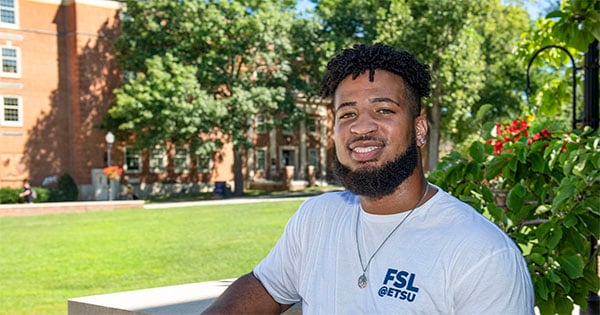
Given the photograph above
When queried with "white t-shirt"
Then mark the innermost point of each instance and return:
(446, 258)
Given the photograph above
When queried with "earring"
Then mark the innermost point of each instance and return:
(422, 141)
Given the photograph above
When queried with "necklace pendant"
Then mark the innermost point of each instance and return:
(362, 281)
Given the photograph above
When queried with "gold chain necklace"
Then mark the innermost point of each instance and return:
(362, 279)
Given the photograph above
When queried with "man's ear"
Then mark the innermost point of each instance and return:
(421, 129)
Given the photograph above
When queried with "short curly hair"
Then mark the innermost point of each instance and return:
(355, 61)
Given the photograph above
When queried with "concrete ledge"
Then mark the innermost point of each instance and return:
(180, 299)
(64, 207)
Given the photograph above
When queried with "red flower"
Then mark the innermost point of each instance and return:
(545, 133)
(113, 172)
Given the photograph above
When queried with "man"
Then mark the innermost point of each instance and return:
(393, 243)
(27, 192)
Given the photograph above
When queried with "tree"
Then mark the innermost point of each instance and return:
(464, 42)
(467, 45)
(237, 50)
(574, 25)
(166, 105)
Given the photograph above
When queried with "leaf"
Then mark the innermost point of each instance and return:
(516, 197)
(537, 258)
(564, 306)
(473, 172)
(552, 276)
(538, 164)
(477, 151)
(494, 167)
(541, 290)
(570, 220)
(483, 110)
(555, 237)
(572, 265)
(566, 190)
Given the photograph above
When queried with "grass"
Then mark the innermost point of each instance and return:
(46, 260)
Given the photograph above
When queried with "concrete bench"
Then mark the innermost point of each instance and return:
(180, 299)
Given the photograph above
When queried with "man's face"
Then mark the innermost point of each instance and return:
(374, 134)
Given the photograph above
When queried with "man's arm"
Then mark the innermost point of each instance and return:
(246, 296)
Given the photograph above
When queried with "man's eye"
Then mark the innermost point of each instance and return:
(385, 111)
(345, 115)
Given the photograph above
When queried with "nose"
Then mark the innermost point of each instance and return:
(363, 125)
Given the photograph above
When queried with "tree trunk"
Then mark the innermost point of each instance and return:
(434, 138)
(433, 145)
(238, 176)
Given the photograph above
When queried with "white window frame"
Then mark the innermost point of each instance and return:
(206, 169)
(15, 10)
(19, 108)
(313, 153)
(257, 163)
(158, 160)
(181, 154)
(135, 154)
(17, 60)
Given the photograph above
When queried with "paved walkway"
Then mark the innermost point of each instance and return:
(236, 200)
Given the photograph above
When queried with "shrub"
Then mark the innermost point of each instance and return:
(10, 195)
(66, 189)
(541, 186)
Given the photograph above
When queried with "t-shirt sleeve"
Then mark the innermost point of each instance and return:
(279, 271)
(498, 284)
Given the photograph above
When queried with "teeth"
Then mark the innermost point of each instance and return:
(364, 149)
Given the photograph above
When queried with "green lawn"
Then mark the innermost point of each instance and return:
(46, 260)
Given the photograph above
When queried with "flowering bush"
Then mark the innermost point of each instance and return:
(113, 172)
(517, 130)
(541, 186)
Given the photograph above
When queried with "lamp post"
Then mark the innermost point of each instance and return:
(110, 139)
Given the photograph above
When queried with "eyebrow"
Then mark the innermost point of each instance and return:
(384, 100)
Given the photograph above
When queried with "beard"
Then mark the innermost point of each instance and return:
(377, 182)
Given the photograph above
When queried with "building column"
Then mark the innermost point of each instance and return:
(250, 153)
(302, 161)
(323, 151)
(273, 154)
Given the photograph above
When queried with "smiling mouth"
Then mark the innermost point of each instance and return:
(365, 149)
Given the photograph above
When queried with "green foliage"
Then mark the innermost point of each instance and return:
(574, 26)
(544, 194)
(166, 105)
(11, 195)
(202, 67)
(66, 189)
(471, 59)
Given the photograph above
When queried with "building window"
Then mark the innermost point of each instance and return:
(10, 61)
(133, 160)
(261, 126)
(8, 13)
(261, 159)
(311, 125)
(181, 161)
(158, 160)
(11, 111)
(312, 157)
(204, 163)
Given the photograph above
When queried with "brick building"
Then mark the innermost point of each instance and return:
(57, 76)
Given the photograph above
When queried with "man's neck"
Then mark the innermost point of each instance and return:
(409, 195)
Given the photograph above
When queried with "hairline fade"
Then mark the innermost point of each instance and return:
(361, 58)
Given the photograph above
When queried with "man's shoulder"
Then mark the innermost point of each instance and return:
(328, 204)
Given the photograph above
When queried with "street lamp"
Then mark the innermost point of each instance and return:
(110, 139)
